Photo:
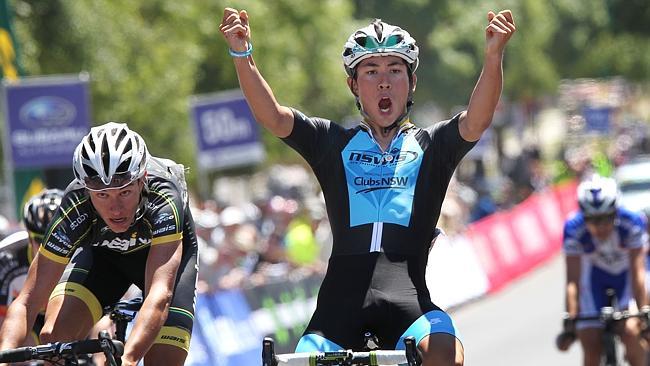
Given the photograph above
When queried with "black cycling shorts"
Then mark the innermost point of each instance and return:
(100, 277)
(379, 293)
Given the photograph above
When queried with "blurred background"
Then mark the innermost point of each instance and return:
(576, 99)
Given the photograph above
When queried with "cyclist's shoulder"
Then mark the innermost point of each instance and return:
(632, 217)
(437, 125)
(74, 194)
(166, 191)
(575, 219)
(321, 124)
(166, 175)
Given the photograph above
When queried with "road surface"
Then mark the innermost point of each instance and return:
(518, 325)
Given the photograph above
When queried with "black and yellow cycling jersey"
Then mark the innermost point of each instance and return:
(101, 264)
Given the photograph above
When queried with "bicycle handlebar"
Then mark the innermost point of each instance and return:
(409, 356)
(343, 358)
(126, 305)
(609, 313)
(62, 349)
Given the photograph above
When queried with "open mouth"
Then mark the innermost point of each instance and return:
(384, 104)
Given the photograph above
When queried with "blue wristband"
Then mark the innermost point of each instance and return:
(246, 53)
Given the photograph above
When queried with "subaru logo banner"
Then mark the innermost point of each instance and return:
(46, 117)
(226, 131)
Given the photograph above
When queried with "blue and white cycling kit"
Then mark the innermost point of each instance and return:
(383, 207)
(604, 263)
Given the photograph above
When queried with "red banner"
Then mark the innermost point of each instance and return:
(510, 243)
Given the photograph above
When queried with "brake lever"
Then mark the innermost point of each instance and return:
(108, 348)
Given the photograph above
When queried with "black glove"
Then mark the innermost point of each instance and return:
(564, 340)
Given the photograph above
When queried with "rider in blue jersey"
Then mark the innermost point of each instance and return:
(604, 245)
(383, 181)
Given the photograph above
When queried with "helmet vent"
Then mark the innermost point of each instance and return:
(106, 156)
(124, 166)
(379, 29)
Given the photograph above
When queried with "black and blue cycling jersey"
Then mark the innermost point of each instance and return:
(383, 206)
(380, 200)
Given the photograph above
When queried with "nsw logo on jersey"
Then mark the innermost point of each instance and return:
(394, 157)
(371, 184)
(381, 185)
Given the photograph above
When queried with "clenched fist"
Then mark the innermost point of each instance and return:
(235, 29)
(500, 28)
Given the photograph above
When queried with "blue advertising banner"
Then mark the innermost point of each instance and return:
(46, 117)
(597, 119)
(226, 132)
(229, 325)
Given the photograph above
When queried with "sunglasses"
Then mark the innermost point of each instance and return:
(600, 219)
(118, 180)
(370, 43)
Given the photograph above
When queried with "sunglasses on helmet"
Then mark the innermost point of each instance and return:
(370, 43)
(118, 180)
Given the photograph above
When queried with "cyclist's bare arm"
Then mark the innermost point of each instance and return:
(573, 269)
(487, 91)
(638, 274)
(42, 277)
(268, 112)
(162, 264)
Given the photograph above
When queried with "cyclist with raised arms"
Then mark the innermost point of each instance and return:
(18, 249)
(383, 181)
(123, 220)
(604, 245)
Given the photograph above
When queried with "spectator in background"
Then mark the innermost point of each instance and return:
(235, 240)
(239, 256)
(527, 173)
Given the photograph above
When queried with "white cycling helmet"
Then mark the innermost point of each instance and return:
(379, 39)
(597, 196)
(111, 156)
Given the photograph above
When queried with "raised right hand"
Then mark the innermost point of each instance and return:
(235, 29)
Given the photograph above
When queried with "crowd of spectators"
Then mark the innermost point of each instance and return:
(252, 238)
(250, 241)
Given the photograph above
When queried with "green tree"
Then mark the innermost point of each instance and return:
(554, 40)
(147, 58)
(297, 49)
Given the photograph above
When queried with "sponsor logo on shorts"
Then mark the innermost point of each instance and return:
(173, 338)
